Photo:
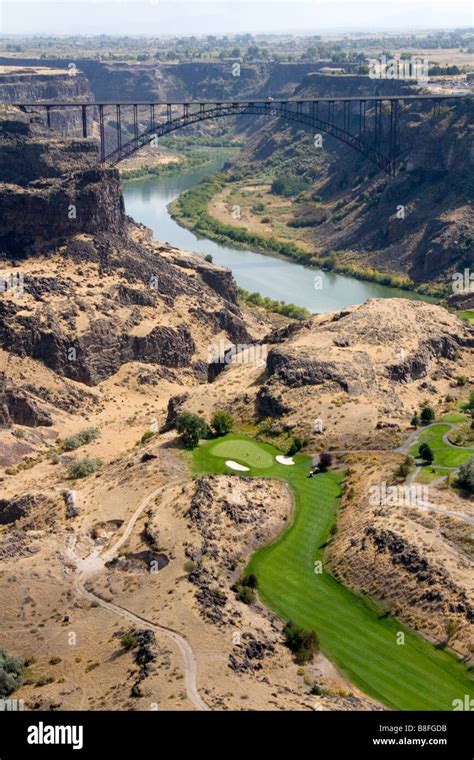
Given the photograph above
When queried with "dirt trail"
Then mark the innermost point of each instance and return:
(89, 566)
(190, 666)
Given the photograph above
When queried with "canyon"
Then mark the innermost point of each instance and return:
(110, 340)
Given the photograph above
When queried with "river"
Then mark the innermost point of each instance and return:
(146, 200)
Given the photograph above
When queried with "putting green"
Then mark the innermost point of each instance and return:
(358, 637)
(246, 452)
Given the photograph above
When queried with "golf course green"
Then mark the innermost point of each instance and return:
(247, 453)
(360, 639)
(444, 454)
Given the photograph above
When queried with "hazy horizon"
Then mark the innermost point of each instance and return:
(155, 18)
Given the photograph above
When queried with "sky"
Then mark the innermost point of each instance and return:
(159, 17)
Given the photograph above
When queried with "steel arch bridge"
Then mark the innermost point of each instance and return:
(370, 125)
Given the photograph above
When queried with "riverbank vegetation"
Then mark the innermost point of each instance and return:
(191, 211)
(193, 153)
(277, 307)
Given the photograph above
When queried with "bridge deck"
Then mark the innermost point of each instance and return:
(354, 98)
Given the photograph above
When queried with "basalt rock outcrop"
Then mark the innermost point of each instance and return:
(29, 83)
(223, 519)
(29, 512)
(87, 290)
(375, 354)
(147, 80)
(415, 562)
(46, 212)
(19, 407)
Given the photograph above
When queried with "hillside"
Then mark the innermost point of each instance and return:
(87, 288)
(343, 211)
(120, 564)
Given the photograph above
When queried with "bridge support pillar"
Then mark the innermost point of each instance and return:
(102, 134)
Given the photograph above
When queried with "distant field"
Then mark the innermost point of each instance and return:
(436, 55)
(357, 636)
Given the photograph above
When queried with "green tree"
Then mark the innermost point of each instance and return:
(451, 628)
(245, 588)
(296, 445)
(469, 404)
(288, 185)
(325, 461)
(80, 439)
(426, 453)
(427, 414)
(415, 421)
(250, 580)
(191, 428)
(129, 640)
(222, 423)
(83, 467)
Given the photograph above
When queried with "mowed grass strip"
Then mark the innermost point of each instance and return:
(354, 634)
(444, 455)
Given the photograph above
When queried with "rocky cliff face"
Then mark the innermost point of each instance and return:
(330, 85)
(168, 81)
(48, 211)
(29, 153)
(415, 563)
(62, 82)
(96, 291)
(27, 84)
(377, 359)
(418, 223)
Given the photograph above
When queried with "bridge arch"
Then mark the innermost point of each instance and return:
(368, 124)
(359, 140)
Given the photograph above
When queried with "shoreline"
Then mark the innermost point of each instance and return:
(196, 212)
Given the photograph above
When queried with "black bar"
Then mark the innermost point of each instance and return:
(369, 734)
(84, 121)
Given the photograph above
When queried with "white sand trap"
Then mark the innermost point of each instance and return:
(284, 460)
(236, 466)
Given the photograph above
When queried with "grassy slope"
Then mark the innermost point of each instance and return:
(444, 455)
(353, 633)
(467, 315)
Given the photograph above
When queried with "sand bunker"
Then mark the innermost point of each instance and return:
(236, 466)
(284, 460)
